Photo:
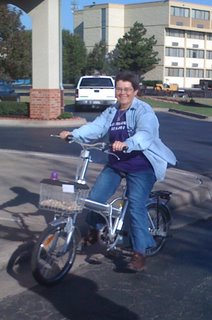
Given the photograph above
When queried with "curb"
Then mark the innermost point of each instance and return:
(73, 122)
(191, 114)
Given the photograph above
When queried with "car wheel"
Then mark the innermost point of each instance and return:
(185, 96)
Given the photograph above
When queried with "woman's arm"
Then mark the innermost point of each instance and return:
(97, 128)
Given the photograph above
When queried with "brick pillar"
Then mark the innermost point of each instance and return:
(45, 104)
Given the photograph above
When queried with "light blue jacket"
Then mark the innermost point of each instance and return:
(143, 130)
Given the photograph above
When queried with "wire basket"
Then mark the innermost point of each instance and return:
(62, 197)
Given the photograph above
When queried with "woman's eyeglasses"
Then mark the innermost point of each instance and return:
(125, 90)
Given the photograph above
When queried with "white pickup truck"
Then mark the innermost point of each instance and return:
(94, 92)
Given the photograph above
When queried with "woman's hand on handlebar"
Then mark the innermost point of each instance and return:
(65, 134)
(119, 146)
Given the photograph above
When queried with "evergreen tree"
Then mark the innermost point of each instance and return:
(74, 57)
(96, 59)
(15, 45)
(134, 51)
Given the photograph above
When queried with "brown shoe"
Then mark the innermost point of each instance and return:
(137, 263)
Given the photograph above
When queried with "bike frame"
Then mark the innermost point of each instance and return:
(114, 217)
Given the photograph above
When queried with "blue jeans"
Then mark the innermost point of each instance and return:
(139, 185)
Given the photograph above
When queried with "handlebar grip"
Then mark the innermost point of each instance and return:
(54, 136)
(124, 149)
(69, 138)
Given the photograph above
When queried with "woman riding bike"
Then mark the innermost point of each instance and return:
(131, 124)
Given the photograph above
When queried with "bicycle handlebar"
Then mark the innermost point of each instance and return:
(102, 146)
(98, 145)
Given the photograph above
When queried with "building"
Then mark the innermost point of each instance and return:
(183, 32)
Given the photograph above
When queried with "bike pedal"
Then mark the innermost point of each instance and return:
(80, 248)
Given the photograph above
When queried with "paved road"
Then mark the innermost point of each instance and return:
(191, 141)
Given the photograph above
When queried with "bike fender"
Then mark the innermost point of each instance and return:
(57, 222)
(164, 208)
(167, 213)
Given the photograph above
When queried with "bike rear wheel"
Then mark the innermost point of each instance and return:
(158, 227)
(52, 256)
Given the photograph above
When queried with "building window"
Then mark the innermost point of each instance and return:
(200, 14)
(209, 36)
(175, 33)
(200, 26)
(103, 24)
(174, 52)
(180, 12)
(195, 35)
(194, 73)
(209, 74)
(179, 23)
(197, 54)
(174, 72)
(208, 54)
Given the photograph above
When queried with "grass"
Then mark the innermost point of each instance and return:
(198, 106)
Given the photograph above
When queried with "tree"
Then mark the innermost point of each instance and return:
(134, 51)
(15, 45)
(74, 57)
(96, 58)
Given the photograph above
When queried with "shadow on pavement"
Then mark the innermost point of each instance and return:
(75, 298)
(20, 223)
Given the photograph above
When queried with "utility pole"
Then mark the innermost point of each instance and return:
(74, 5)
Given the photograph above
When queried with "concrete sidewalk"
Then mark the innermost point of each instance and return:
(12, 122)
(21, 221)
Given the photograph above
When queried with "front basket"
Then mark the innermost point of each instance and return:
(62, 197)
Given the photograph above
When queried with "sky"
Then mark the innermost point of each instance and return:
(67, 17)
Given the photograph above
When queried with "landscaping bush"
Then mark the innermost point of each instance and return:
(66, 115)
(21, 109)
(12, 108)
(192, 101)
(150, 83)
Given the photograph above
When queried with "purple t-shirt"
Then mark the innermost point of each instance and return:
(129, 162)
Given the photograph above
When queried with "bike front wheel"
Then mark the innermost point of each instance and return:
(158, 227)
(53, 254)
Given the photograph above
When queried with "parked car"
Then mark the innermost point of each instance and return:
(21, 82)
(95, 92)
(7, 92)
(3, 81)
